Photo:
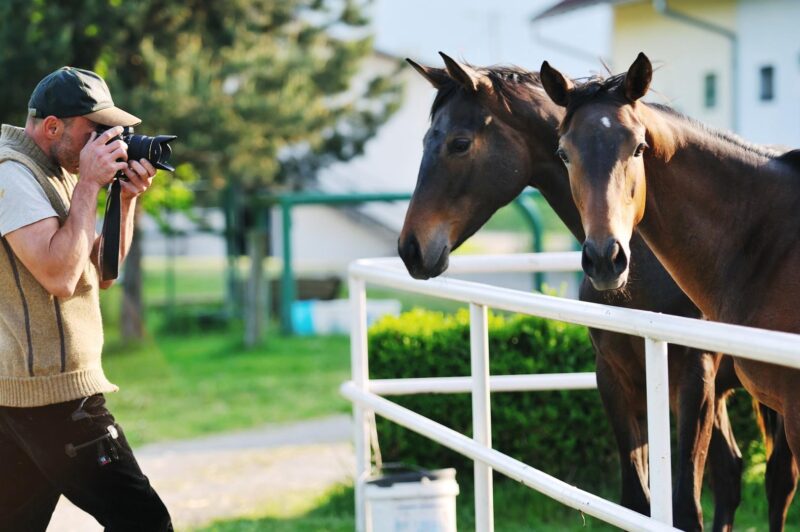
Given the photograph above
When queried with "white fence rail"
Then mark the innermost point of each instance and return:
(657, 329)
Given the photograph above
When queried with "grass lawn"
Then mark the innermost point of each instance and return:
(517, 509)
(184, 385)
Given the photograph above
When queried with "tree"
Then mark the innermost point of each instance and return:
(259, 92)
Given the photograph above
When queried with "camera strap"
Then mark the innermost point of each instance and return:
(109, 249)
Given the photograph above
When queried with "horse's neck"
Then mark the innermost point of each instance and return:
(711, 214)
(553, 183)
(538, 124)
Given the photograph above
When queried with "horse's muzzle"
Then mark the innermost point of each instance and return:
(423, 263)
(605, 264)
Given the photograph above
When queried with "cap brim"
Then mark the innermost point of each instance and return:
(113, 116)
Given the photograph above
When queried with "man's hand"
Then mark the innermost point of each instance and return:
(140, 176)
(99, 157)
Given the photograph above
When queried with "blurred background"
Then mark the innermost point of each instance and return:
(299, 131)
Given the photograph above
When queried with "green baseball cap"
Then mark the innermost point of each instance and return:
(73, 91)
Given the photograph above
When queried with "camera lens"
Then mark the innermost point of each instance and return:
(155, 149)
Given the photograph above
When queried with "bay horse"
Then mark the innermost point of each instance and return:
(722, 215)
(494, 132)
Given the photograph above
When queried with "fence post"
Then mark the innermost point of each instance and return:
(287, 277)
(658, 434)
(360, 375)
(481, 414)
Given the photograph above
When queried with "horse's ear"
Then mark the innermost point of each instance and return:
(470, 78)
(638, 77)
(436, 76)
(555, 84)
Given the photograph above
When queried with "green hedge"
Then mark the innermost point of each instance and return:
(563, 433)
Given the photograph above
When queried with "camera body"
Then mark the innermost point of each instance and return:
(155, 149)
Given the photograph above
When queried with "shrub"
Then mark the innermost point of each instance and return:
(565, 434)
(562, 433)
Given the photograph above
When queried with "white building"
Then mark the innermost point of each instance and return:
(730, 63)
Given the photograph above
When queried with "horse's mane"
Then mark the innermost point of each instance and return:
(507, 81)
(724, 135)
(611, 88)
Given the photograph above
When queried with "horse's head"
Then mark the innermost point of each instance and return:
(603, 139)
(473, 163)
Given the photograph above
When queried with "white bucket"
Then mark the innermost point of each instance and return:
(415, 502)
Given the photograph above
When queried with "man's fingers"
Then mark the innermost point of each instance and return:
(113, 146)
(151, 170)
(109, 134)
(137, 167)
(120, 152)
(130, 188)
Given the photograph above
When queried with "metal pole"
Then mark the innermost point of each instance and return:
(531, 213)
(360, 372)
(287, 278)
(551, 487)
(658, 434)
(481, 415)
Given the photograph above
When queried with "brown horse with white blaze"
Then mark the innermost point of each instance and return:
(493, 132)
(722, 215)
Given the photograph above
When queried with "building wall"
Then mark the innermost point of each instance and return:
(769, 36)
(683, 55)
(391, 159)
(326, 239)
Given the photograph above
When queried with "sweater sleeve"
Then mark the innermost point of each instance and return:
(22, 200)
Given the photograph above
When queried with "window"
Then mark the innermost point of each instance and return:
(767, 83)
(710, 90)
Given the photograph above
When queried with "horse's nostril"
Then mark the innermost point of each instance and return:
(588, 259)
(409, 250)
(619, 258)
(614, 251)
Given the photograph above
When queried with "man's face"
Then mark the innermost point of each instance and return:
(67, 150)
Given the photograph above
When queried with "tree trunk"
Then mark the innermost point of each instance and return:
(131, 322)
(255, 300)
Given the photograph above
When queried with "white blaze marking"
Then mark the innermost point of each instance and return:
(605, 121)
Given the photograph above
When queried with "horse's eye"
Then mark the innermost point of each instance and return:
(460, 145)
(640, 149)
(562, 155)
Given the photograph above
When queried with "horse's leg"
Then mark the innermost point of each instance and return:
(624, 411)
(768, 383)
(725, 466)
(781, 477)
(693, 375)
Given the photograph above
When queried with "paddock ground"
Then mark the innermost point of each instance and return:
(278, 468)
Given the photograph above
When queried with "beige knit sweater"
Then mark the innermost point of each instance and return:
(50, 347)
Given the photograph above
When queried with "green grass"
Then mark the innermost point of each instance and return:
(177, 385)
(517, 509)
(333, 512)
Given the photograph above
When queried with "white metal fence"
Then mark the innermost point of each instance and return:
(657, 329)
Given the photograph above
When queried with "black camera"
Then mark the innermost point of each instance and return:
(155, 149)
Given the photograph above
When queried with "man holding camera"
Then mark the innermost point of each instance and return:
(56, 436)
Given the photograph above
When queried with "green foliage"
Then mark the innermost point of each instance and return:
(563, 433)
(258, 91)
